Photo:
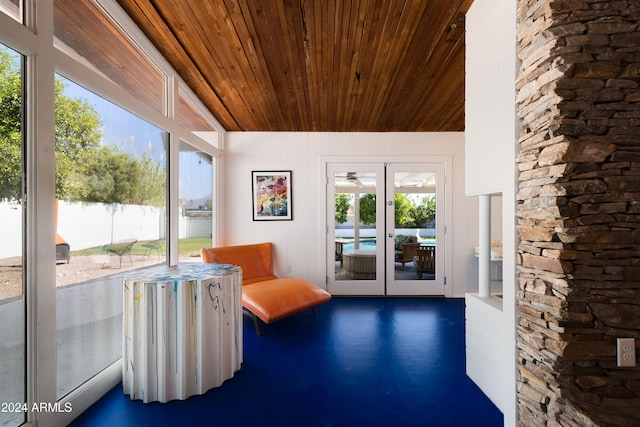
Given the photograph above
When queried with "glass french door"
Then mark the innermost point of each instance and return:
(385, 229)
(355, 195)
(415, 229)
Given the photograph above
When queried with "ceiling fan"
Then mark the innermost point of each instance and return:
(352, 177)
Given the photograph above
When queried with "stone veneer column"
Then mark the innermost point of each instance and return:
(578, 210)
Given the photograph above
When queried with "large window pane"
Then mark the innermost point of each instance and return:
(12, 314)
(111, 190)
(196, 202)
(85, 32)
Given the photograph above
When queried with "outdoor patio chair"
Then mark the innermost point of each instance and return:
(339, 250)
(121, 249)
(153, 246)
(425, 260)
(405, 248)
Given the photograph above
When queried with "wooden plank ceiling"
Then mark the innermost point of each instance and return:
(324, 65)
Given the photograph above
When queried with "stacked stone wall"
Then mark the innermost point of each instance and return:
(578, 211)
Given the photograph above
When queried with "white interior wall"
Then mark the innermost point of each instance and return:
(490, 150)
(300, 243)
(489, 95)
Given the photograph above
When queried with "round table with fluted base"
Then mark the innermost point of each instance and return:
(182, 330)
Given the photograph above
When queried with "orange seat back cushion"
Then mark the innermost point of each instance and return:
(255, 260)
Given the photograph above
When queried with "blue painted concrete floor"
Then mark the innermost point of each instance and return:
(358, 362)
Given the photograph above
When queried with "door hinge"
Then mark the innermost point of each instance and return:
(445, 280)
(326, 280)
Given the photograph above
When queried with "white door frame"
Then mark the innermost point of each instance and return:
(406, 287)
(447, 161)
(373, 287)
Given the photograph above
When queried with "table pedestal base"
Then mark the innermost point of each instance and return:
(181, 337)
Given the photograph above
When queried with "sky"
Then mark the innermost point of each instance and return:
(129, 132)
(138, 137)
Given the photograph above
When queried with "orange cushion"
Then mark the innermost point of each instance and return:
(272, 300)
(263, 294)
(255, 260)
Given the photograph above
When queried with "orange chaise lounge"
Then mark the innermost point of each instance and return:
(264, 295)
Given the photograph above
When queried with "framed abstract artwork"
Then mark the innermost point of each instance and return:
(271, 195)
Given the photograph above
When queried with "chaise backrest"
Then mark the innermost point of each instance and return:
(255, 260)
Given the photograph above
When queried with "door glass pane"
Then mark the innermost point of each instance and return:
(196, 202)
(415, 225)
(12, 312)
(355, 225)
(111, 179)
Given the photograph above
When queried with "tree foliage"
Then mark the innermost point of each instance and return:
(342, 205)
(10, 129)
(78, 135)
(408, 213)
(105, 176)
(86, 170)
(151, 189)
(424, 214)
(402, 207)
(368, 208)
(108, 175)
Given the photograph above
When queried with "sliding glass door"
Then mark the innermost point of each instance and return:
(111, 180)
(12, 214)
(195, 188)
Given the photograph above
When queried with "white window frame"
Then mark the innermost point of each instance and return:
(42, 62)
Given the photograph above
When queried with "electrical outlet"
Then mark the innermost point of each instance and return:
(626, 352)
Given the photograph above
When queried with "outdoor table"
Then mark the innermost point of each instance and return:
(182, 330)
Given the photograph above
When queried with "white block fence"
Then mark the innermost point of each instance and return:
(87, 225)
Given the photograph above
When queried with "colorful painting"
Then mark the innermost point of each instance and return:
(272, 195)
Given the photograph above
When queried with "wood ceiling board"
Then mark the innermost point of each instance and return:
(151, 23)
(303, 65)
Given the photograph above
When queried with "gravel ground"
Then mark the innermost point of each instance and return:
(78, 270)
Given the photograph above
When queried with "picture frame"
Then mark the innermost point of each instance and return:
(272, 195)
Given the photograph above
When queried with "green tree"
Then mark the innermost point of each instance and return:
(368, 208)
(342, 205)
(10, 128)
(85, 170)
(403, 208)
(425, 212)
(78, 135)
(153, 183)
(77, 130)
(109, 175)
(407, 213)
(105, 175)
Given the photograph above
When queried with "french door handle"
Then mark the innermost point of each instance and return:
(390, 235)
